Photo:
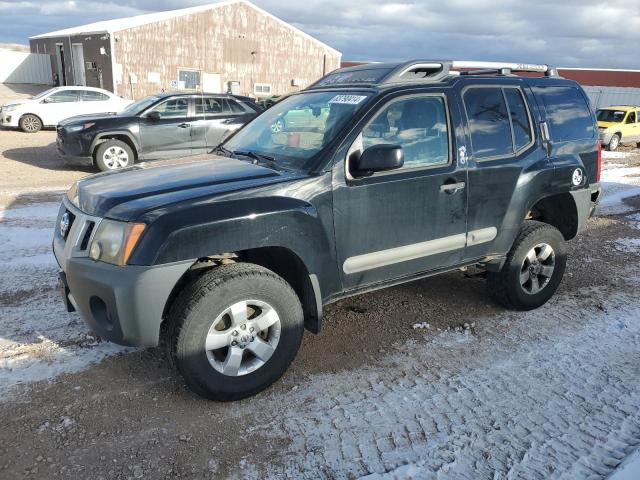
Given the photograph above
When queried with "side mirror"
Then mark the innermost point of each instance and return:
(153, 116)
(46, 100)
(378, 158)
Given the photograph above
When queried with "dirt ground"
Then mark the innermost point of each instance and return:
(430, 379)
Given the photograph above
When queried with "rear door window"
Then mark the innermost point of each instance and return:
(489, 123)
(568, 113)
(93, 96)
(522, 134)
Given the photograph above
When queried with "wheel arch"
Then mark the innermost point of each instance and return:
(280, 260)
(33, 114)
(558, 210)
(122, 136)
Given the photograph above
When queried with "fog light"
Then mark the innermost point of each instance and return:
(95, 251)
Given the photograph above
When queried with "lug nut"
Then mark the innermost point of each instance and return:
(234, 333)
(234, 343)
(243, 326)
(251, 329)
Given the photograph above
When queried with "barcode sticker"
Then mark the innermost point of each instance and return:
(348, 99)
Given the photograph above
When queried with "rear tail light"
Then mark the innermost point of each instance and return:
(599, 166)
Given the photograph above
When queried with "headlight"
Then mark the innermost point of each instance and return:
(78, 128)
(72, 194)
(9, 108)
(114, 241)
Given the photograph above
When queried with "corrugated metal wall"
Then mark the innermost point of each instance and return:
(20, 67)
(608, 96)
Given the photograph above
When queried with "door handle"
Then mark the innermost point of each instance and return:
(184, 125)
(452, 188)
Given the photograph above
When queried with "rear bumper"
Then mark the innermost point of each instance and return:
(586, 200)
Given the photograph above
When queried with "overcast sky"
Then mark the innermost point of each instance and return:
(576, 33)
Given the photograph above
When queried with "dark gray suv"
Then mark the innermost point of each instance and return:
(166, 125)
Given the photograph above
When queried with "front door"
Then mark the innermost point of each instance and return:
(410, 220)
(165, 131)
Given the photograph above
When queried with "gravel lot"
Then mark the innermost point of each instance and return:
(426, 380)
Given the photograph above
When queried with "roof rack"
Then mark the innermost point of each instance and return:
(423, 71)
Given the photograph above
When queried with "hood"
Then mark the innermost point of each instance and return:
(602, 124)
(91, 117)
(15, 103)
(129, 193)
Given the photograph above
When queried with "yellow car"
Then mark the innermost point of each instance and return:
(619, 124)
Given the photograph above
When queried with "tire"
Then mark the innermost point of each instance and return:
(515, 286)
(30, 123)
(113, 154)
(614, 142)
(198, 314)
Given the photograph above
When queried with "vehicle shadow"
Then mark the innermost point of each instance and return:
(44, 157)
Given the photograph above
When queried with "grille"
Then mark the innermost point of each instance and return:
(87, 235)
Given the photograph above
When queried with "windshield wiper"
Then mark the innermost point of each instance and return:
(259, 157)
(221, 149)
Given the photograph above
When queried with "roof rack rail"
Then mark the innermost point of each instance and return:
(423, 71)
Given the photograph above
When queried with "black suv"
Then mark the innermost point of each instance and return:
(390, 173)
(166, 125)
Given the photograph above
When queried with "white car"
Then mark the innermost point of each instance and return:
(50, 107)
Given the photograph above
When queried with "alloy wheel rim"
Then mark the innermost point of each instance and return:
(537, 268)
(115, 157)
(243, 337)
(30, 124)
(614, 142)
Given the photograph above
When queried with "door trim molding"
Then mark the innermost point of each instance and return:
(383, 258)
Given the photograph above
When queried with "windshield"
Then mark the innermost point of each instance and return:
(298, 127)
(42, 94)
(139, 106)
(616, 116)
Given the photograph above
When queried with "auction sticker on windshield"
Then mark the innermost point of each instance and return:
(348, 99)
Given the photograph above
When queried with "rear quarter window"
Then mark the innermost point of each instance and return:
(568, 113)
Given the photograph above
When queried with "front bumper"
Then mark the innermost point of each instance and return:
(605, 137)
(122, 304)
(8, 119)
(73, 148)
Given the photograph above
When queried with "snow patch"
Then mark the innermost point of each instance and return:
(627, 245)
(39, 340)
(618, 184)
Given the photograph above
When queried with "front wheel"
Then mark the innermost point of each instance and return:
(533, 269)
(234, 331)
(30, 123)
(113, 154)
(614, 143)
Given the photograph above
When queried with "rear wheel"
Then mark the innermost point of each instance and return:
(614, 142)
(234, 331)
(30, 123)
(533, 269)
(113, 155)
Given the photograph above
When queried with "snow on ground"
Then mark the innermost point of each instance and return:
(38, 338)
(618, 183)
(522, 397)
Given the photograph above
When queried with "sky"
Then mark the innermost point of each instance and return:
(570, 33)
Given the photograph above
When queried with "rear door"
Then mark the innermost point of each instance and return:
(502, 147)
(95, 102)
(168, 136)
(410, 220)
(633, 127)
